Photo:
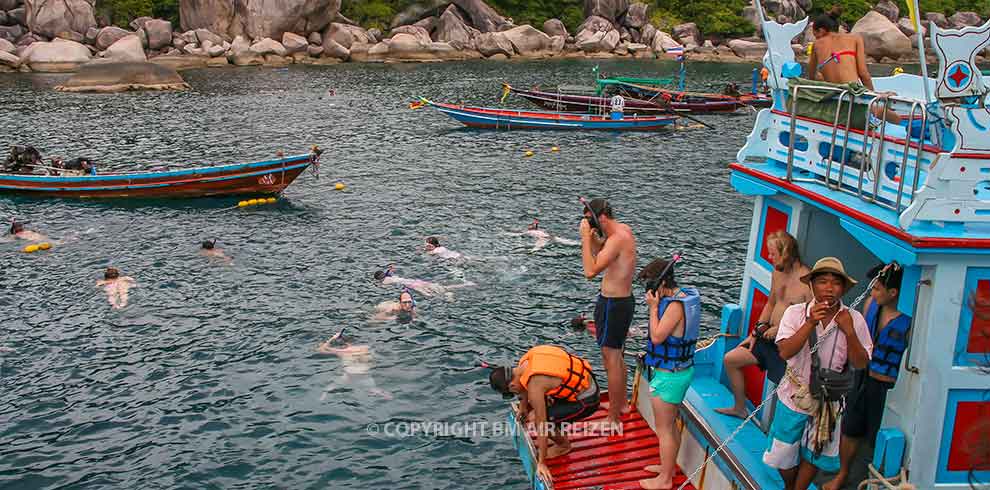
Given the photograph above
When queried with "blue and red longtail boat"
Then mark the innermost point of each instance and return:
(492, 118)
(259, 178)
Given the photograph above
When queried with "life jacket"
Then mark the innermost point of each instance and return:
(574, 373)
(677, 353)
(888, 344)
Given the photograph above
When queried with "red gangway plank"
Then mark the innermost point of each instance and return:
(600, 462)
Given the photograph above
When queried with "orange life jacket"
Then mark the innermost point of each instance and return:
(574, 373)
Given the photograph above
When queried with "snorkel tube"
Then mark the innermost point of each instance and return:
(654, 284)
(593, 220)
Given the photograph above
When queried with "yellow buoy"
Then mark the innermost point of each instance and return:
(339, 186)
(252, 201)
(30, 249)
(44, 245)
(528, 153)
(271, 200)
(243, 204)
(554, 148)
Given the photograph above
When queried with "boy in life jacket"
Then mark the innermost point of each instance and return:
(675, 319)
(889, 330)
(557, 387)
(798, 444)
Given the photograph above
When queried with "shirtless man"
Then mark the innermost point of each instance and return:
(17, 230)
(433, 247)
(759, 348)
(426, 288)
(611, 250)
(116, 287)
(209, 249)
(840, 58)
(356, 360)
(403, 310)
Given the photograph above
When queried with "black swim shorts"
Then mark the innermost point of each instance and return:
(768, 357)
(569, 411)
(864, 408)
(613, 316)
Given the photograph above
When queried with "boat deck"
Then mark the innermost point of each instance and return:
(609, 463)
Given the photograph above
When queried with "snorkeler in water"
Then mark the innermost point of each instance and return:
(387, 276)
(433, 247)
(542, 237)
(210, 249)
(17, 230)
(116, 286)
(403, 310)
(356, 360)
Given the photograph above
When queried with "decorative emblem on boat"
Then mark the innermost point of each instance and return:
(267, 179)
(960, 74)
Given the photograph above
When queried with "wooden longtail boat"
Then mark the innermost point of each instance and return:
(696, 102)
(484, 117)
(258, 178)
(559, 101)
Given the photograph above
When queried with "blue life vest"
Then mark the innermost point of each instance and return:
(888, 344)
(677, 353)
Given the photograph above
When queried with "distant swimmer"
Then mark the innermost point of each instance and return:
(542, 237)
(209, 249)
(17, 230)
(357, 366)
(403, 310)
(433, 247)
(387, 276)
(116, 287)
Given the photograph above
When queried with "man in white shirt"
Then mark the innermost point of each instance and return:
(842, 336)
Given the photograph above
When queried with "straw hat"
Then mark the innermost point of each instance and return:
(831, 265)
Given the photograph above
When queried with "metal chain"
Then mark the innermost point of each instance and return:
(773, 394)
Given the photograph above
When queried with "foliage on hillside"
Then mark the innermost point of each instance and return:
(719, 18)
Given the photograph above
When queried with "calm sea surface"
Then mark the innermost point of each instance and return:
(210, 379)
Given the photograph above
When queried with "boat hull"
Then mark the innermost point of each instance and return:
(694, 102)
(260, 178)
(488, 118)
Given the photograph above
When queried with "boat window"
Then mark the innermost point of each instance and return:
(800, 142)
(853, 159)
(982, 190)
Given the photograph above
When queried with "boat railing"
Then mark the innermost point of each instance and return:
(871, 165)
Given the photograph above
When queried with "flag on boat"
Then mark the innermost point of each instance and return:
(675, 51)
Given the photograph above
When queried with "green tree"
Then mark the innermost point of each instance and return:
(122, 12)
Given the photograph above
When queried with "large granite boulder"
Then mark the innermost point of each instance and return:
(938, 18)
(127, 48)
(340, 34)
(959, 20)
(257, 19)
(882, 37)
(203, 35)
(294, 43)
(240, 53)
(110, 35)
(421, 34)
(598, 42)
(333, 49)
(9, 60)
(662, 42)
(611, 10)
(7, 46)
(476, 13)
(11, 33)
(139, 22)
(748, 49)
(688, 35)
(906, 26)
(49, 17)
(429, 23)
(889, 9)
(493, 43)
(123, 76)
(451, 27)
(159, 33)
(57, 56)
(18, 16)
(595, 24)
(792, 9)
(268, 46)
(9, 4)
(647, 33)
(636, 17)
(554, 27)
(527, 40)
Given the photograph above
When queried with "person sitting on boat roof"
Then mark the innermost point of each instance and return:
(804, 434)
(841, 58)
(403, 310)
(868, 397)
(786, 289)
(675, 320)
(17, 230)
(433, 247)
(557, 387)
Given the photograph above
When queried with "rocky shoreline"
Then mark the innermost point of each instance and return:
(63, 35)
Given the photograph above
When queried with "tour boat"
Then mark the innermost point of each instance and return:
(866, 193)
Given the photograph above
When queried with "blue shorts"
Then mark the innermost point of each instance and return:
(787, 442)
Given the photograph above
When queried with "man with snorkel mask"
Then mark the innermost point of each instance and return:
(609, 246)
